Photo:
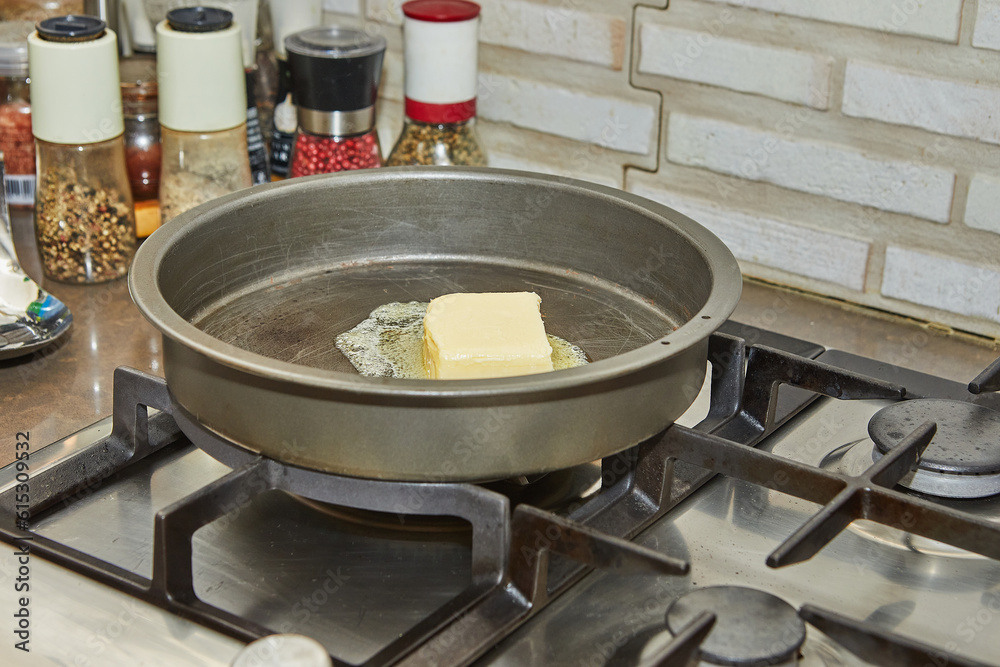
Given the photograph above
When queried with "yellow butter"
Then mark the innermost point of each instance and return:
(485, 335)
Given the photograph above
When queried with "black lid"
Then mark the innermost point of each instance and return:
(334, 68)
(71, 28)
(199, 19)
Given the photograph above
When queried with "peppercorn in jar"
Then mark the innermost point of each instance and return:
(440, 51)
(335, 75)
(84, 220)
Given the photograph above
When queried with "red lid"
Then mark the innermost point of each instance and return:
(441, 11)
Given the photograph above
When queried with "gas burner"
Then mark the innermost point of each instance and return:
(560, 492)
(963, 459)
(751, 628)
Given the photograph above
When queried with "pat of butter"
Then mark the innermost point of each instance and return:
(494, 334)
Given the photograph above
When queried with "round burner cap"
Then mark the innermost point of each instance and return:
(751, 627)
(967, 441)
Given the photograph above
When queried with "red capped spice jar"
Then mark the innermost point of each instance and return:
(335, 75)
(441, 45)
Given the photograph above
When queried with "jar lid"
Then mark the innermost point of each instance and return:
(441, 11)
(199, 19)
(440, 53)
(335, 68)
(334, 42)
(71, 28)
(14, 47)
(193, 96)
(75, 93)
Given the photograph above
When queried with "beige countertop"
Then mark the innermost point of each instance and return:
(67, 386)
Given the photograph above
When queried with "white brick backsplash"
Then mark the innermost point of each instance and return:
(342, 6)
(385, 11)
(784, 74)
(614, 123)
(557, 30)
(942, 283)
(982, 210)
(499, 160)
(562, 30)
(936, 19)
(987, 32)
(799, 250)
(948, 107)
(818, 168)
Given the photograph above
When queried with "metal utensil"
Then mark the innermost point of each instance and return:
(30, 317)
(252, 289)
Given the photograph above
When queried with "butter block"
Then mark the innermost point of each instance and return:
(485, 335)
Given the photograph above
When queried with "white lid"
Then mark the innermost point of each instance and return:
(441, 61)
(200, 78)
(75, 92)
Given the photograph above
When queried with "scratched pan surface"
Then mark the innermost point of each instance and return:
(251, 291)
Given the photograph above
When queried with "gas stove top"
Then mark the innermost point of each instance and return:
(779, 521)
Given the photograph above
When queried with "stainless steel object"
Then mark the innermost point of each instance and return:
(250, 291)
(30, 317)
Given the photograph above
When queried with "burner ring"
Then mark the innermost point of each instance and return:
(751, 628)
(963, 459)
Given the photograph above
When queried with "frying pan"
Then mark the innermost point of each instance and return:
(251, 290)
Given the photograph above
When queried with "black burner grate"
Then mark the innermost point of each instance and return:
(512, 577)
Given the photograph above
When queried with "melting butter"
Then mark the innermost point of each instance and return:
(390, 343)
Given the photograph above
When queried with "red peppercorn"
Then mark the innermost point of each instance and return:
(16, 140)
(314, 154)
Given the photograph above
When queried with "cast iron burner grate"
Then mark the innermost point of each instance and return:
(512, 579)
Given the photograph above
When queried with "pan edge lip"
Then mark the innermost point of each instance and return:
(721, 302)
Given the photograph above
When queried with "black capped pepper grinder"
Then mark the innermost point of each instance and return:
(84, 219)
(441, 45)
(202, 98)
(335, 75)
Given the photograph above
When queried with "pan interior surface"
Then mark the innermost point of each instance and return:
(297, 319)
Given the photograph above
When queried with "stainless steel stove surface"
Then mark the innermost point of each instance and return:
(364, 584)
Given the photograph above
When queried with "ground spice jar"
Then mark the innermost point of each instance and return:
(335, 75)
(16, 141)
(83, 210)
(440, 53)
(202, 96)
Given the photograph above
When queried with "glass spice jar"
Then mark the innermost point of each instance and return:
(440, 52)
(16, 141)
(83, 212)
(335, 75)
(142, 139)
(202, 96)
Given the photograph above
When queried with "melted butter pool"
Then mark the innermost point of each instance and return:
(390, 343)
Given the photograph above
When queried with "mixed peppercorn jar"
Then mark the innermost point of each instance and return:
(335, 75)
(84, 219)
(441, 45)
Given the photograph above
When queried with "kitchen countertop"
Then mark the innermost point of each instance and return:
(63, 388)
